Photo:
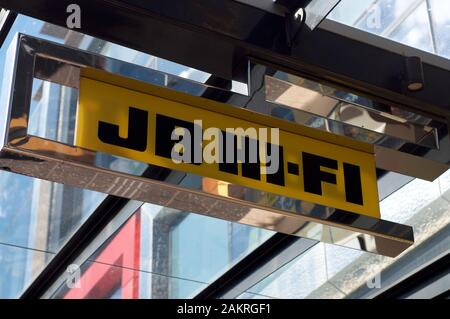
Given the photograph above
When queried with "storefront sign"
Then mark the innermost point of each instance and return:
(195, 135)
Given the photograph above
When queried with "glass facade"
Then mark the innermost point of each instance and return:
(165, 253)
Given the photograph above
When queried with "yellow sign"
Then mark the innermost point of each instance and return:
(139, 121)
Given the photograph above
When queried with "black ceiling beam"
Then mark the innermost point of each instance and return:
(217, 36)
(280, 7)
(292, 5)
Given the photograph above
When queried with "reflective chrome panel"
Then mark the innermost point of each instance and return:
(416, 135)
(405, 163)
(323, 101)
(299, 218)
(57, 72)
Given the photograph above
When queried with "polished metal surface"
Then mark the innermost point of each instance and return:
(405, 163)
(308, 220)
(43, 158)
(403, 142)
(325, 101)
(57, 72)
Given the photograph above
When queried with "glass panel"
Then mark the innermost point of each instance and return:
(355, 111)
(415, 30)
(296, 279)
(41, 215)
(422, 24)
(18, 267)
(248, 295)
(440, 14)
(105, 281)
(52, 111)
(48, 216)
(381, 16)
(163, 253)
(327, 271)
(349, 12)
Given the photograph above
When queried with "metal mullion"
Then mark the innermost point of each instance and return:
(432, 30)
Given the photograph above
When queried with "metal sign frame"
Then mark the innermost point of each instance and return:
(159, 108)
(29, 58)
